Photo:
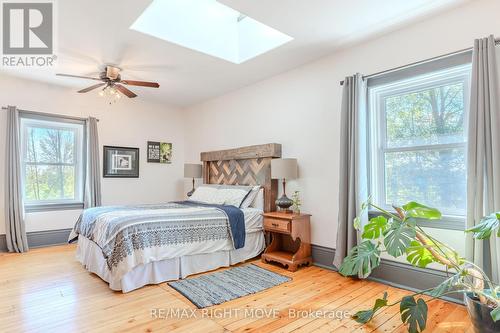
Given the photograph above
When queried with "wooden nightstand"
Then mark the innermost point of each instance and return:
(291, 239)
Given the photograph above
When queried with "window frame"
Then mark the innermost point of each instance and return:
(378, 146)
(80, 162)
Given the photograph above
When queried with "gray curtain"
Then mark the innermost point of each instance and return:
(93, 175)
(353, 180)
(483, 175)
(14, 208)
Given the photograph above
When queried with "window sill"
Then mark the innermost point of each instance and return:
(446, 223)
(52, 207)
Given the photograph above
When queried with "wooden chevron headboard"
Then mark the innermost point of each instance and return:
(244, 166)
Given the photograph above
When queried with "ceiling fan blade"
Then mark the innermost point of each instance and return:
(124, 91)
(80, 77)
(95, 86)
(140, 83)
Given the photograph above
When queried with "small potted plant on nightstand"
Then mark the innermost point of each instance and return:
(297, 203)
(398, 234)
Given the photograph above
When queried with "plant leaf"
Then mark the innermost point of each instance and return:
(364, 207)
(375, 228)
(366, 204)
(357, 223)
(447, 285)
(365, 316)
(418, 255)
(362, 259)
(398, 237)
(484, 229)
(495, 314)
(413, 313)
(495, 292)
(415, 209)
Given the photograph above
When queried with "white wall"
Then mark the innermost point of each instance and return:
(129, 122)
(300, 108)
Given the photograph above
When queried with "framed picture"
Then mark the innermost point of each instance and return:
(153, 152)
(121, 162)
(165, 152)
(159, 152)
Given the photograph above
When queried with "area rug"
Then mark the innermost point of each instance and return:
(219, 287)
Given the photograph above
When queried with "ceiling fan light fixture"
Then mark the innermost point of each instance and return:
(110, 93)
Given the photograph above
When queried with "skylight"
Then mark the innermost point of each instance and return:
(210, 27)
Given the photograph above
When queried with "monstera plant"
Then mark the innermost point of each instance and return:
(398, 234)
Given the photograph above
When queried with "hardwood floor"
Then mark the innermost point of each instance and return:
(47, 290)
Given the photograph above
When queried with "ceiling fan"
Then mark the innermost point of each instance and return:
(111, 80)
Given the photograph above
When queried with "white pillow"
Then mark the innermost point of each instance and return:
(232, 196)
(248, 199)
(251, 197)
(207, 195)
(258, 202)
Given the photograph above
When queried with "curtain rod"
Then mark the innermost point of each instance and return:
(50, 114)
(497, 42)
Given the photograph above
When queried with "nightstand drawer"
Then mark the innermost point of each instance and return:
(277, 225)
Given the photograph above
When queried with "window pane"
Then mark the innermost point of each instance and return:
(433, 177)
(49, 145)
(69, 182)
(49, 182)
(431, 116)
(31, 190)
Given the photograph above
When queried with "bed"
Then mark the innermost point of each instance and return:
(133, 246)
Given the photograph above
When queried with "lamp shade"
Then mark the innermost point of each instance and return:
(192, 170)
(284, 168)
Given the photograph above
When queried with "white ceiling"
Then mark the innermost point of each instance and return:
(93, 32)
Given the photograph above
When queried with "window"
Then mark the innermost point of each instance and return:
(418, 142)
(210, 27)
(52, 162)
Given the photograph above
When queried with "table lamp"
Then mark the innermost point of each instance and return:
(192, 171)
(286, 169)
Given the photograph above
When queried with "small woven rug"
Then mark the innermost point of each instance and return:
(219, 287)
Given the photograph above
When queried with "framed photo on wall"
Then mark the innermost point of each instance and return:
(121, 162)
(165, 152)
(153, 152)
(159, 152)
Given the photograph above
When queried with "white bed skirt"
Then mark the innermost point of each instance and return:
(90, 255)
